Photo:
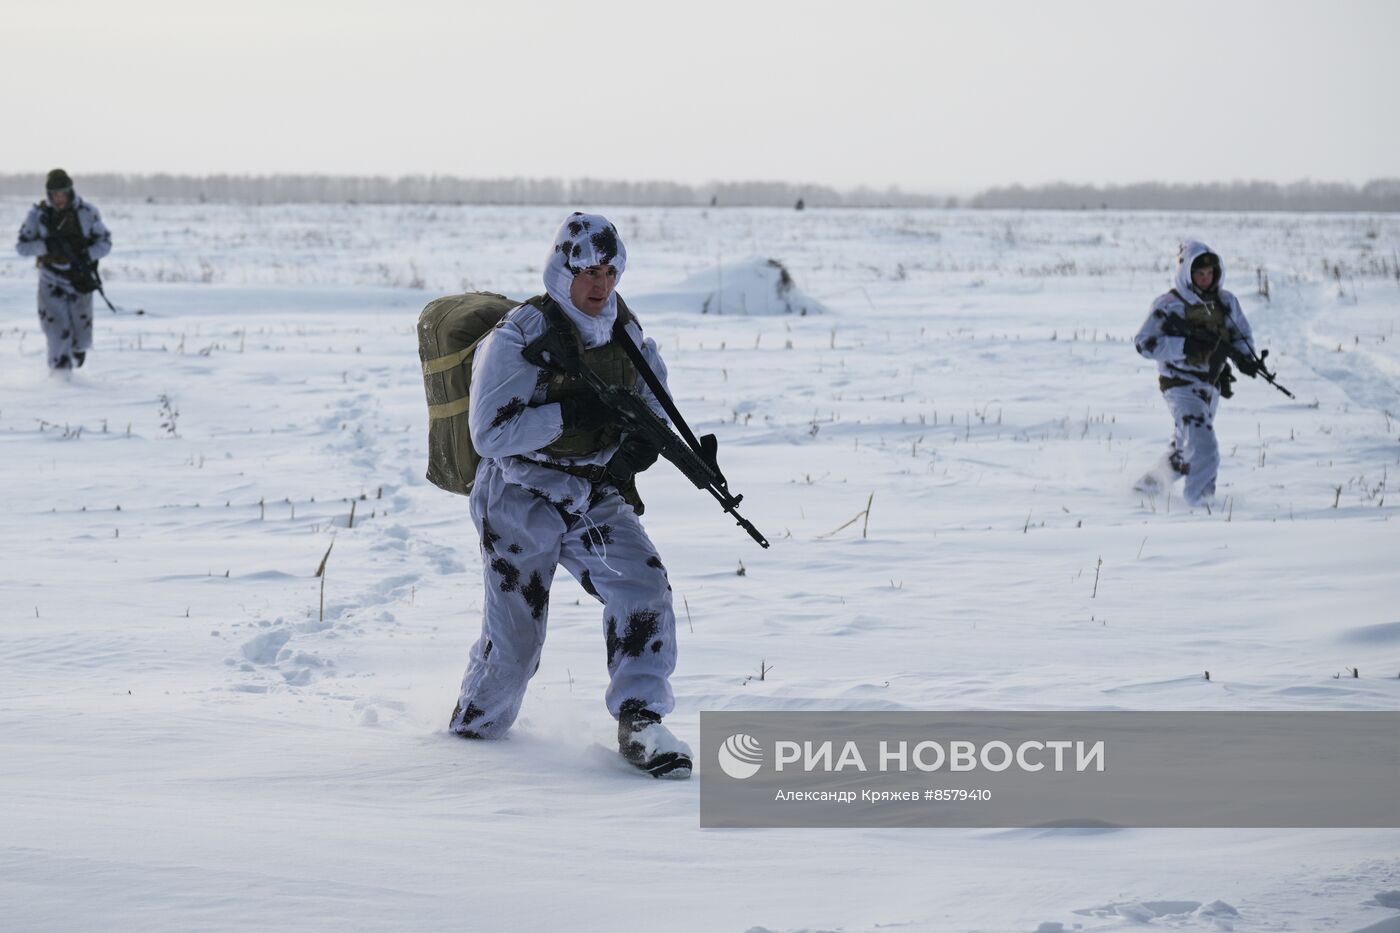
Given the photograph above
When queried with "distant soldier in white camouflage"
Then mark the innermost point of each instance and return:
(66, 236)
(1192, 333)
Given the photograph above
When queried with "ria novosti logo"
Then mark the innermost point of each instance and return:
(740, 756)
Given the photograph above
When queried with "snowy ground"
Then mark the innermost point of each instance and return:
(184, 744)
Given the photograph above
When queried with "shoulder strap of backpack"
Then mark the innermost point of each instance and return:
(553, 314)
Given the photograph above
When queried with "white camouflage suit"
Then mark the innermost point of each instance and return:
(1188, 385)
(64, 314)
(531, 518)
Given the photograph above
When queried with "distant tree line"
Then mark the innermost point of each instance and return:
(1380, 195)
(447, 189)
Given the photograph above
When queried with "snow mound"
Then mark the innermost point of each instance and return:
(264, 648)
(752, 287)
(1143, 911)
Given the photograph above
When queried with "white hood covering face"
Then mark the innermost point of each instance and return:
(585, 240)
(1186, 255)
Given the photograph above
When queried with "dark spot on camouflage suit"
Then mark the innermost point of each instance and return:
(605, 244)
(631, 719)
(598, 534)
(536, 595)
(586, 581)
(1159, 314)
(568, 518)
(488, 537)
(656, 646)
(486, 652)
(640, 628)
(1203, 394)
(655, 561)
(508, 412)
(575, 228)
(1149, 344)
(515, 549)
(596, 495)
(508, 572)
(611, 643)
(461, 719)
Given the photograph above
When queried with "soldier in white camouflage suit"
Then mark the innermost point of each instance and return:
(555, 486)
(64, 233)
(1190, 333)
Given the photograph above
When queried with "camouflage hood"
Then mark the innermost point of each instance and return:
(585, 240)
(1189, 251)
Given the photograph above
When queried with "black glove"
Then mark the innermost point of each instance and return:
(1247, 365)
(635, 455)
(1225, 382)
(584, 412)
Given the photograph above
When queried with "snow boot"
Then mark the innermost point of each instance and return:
(1163, 473)
(78, 357)
(645, 743)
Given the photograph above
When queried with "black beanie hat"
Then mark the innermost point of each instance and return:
(58, 180)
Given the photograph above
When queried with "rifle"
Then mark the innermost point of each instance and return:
(1259, 367)
(1247, 363)
(82, 267)
(557, 349)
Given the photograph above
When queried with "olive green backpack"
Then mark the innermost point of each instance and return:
(449, 331)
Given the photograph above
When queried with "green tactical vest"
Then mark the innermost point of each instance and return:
(611, 364)
(1209, 317)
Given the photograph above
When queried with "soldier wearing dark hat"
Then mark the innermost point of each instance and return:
(1190, 334)
(66, 236)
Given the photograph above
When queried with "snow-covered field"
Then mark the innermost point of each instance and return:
(186, 744)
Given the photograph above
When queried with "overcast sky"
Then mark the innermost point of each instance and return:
(929, 96)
